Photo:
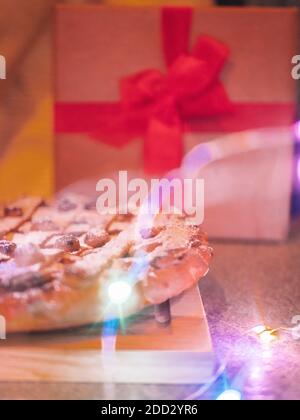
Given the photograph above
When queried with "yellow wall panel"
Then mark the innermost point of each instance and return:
(27, 167)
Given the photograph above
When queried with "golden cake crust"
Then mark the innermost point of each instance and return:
(59, 261)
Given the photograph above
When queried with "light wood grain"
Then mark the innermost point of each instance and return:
(143, 352)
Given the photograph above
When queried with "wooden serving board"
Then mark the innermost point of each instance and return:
(138, 350)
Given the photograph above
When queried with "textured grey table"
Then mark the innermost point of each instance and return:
(248, 284)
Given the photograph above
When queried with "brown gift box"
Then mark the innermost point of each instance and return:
(97, 46)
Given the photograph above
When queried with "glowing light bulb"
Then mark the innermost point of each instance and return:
(259, 329)
(230, 395)
(119, 292)
(266, 335)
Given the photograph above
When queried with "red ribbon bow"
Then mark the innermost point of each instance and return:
(155, 106)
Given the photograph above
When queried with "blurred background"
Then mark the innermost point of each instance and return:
(26, 95)
(251, 282)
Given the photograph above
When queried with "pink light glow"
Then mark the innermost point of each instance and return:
(298, 170)
(297, 130)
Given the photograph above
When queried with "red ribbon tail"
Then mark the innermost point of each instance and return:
(163, 146)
